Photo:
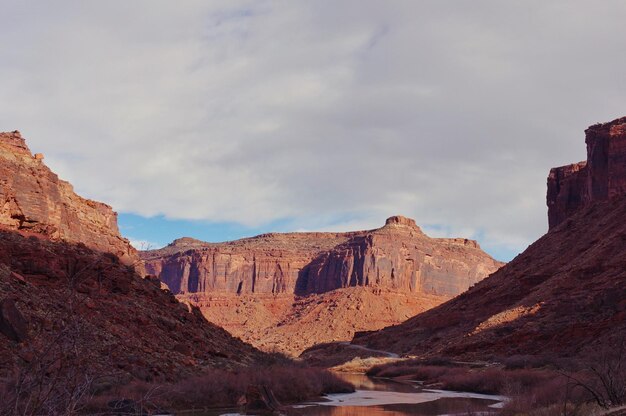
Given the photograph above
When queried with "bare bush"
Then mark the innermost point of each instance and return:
(603, 375)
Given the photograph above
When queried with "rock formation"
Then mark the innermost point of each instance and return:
(564, 296)
(33, 198)
(69, 304)
(54, 295)
(601, 177)
(398, 256)
(265, 288)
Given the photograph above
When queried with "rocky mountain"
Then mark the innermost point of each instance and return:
(290, 291)
(33, 198)
(70, 300)
(564, 296)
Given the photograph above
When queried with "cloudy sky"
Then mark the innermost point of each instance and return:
(222, 119)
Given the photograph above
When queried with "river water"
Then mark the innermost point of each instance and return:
(378, 397)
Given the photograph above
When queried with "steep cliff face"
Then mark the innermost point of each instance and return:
(273, 289)
(33, 198)
(398, 256)
(268, 263)
(602, 176)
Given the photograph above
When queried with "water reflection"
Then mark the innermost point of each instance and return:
(446, 406)
(387, 398)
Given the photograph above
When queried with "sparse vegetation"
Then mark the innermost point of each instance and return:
(221, 388)
(536, 386)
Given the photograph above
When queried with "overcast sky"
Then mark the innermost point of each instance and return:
(221, 119)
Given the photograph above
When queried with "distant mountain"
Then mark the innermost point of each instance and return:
(290, 291)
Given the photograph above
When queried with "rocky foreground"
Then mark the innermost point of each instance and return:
(564, 296)
(291, 291)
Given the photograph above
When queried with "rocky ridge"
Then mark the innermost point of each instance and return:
(71, 304)
(33, 198)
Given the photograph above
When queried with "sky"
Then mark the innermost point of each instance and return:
(224, 119)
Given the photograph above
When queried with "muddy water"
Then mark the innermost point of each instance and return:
(387, 398)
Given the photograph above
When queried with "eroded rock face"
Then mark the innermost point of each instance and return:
(398, 256)
(601, 177)
(33, 198)
(291, 291)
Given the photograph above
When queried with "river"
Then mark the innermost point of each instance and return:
(379, 397)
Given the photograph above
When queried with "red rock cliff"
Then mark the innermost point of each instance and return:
(33, 198)
(601, 177)
(397, 256)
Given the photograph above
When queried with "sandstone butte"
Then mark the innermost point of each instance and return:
(69, 298)
(564, 296)
(289, 291)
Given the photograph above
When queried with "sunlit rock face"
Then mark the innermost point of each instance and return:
(33, 198)
(397, 256)
(601, 177)
(290, 291)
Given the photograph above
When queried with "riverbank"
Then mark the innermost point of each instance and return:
(286, 384)
(546, 390)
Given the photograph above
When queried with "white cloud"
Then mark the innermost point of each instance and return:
(325, 113)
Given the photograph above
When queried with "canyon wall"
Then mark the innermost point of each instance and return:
(33, 198)
(398, 256)
(289, 291)
(68, 306)
(601, 177)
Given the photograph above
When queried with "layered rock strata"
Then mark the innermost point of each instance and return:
(33, 198)
(398, 256)
(601, 177)
(290, 291)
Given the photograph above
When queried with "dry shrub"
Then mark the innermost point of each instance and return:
(221, 388)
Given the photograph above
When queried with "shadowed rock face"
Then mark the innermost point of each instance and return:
(33, 198)
(398, 256)
(601, 177)
(55, 294)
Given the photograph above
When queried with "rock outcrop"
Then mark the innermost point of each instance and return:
(290, 291)
(601, 177)
(398, 256)
(564, 296)
(33, 198)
